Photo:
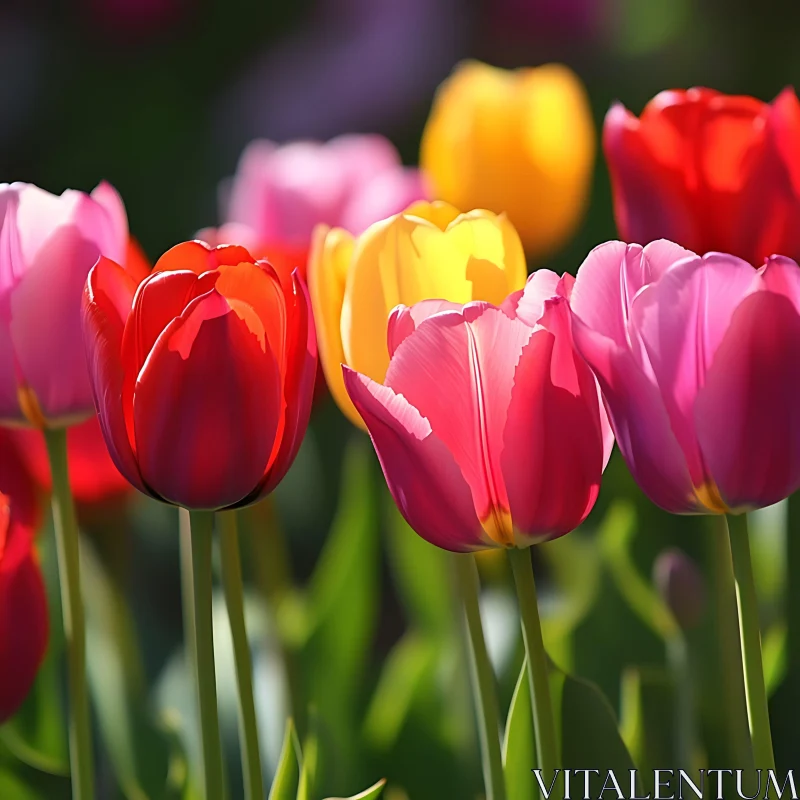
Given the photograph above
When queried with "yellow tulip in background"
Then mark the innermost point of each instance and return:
(430, 251)
(520, 142)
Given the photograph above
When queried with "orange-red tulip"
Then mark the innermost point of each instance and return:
(203, 376)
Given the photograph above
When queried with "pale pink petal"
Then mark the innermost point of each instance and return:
(659, 256)
(747, 414)
(386, 194)
(679, 321)
(474, 354)
(782, 276)
(527, 304)
(553, 440)
(639, 420)
(115, 242)
(403, 320)
(422, 475)
(363, 156)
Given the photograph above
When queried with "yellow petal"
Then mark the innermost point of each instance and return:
(518, 142)
(438, 212)
(328, 265)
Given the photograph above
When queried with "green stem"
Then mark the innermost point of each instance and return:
(202, 528)
(234, 600)
(750, 631)
(483, 680)
(69, 569)
(726, 624)
(793, 586)
(678, 658)
(543, 720)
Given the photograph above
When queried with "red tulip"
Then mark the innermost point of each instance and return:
(23, 601)
(708, 171)
(488, 426)
(202, 376)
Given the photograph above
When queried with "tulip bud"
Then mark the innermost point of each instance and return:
(682, 587)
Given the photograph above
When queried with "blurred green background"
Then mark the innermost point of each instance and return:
(159, 97)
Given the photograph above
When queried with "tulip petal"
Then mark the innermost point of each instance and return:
(115, 245)
(328, 263)
(189, 445)
(23, 629)
(650, 198)
(639, 420)
(199, 257)
(528, 304)
(553, 445)
(474, 354)
(680, 321)
(781, 275)
(108, 298)
(298, 389)
(403, 321)
(422, 475)
(747, 414)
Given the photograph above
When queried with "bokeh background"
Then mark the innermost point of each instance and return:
(159, 97)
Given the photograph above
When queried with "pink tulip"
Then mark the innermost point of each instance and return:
(48, 244)
(489, 426)
(283, 192)
(699, 363)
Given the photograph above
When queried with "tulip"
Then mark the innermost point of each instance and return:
(490, 433)
(23, 601)
(710, 171)
(202, 375)
(519, 142)
(49, 245)
(488, 425)
(697, 360)
(430, 250)
(281, 193)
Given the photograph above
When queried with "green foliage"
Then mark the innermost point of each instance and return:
(519, 744)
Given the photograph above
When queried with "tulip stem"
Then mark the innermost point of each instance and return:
(538, 675)
(750, 632)
(202, 650)
(234, 600)
(69, 570)
(483, 679)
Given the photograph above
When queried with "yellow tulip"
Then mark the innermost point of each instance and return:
(430, 251)
(520, 142)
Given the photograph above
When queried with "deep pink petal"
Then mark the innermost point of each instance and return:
(680, 322)
(747, 414)
(553, 440)
(458, 370)
(781, 275)
(639, 420)
(107, 301)
(422, 475)
(403, 320)
(206, 408)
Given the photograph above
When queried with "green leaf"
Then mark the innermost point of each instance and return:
(776, 656)
(287, 776)
(615, 536)
(410, 666)
(13, 787)
(648, 718)
(341, 608)
(138, 749)
(37, 734)
(519, 745)
(589, 734)
(368, 794)
(309, 768)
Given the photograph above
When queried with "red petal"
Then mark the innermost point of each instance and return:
(198, 257)
(206, 408)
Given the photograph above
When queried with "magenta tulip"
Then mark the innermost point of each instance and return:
(698, 362)
(48, 244)
(488, 426)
